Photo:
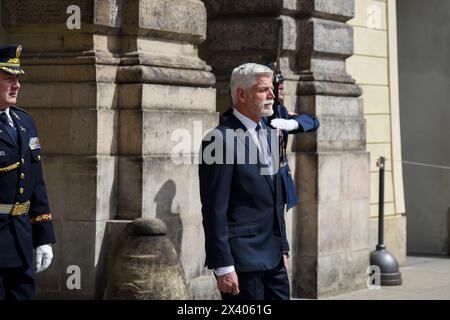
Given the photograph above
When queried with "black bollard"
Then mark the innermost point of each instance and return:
(389, 270)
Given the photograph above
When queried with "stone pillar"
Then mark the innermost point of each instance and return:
(330, 225)
(107, 99)
(333, 176)
(166, 101)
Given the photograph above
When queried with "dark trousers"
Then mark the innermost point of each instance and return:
(17, 283)
(262, 285)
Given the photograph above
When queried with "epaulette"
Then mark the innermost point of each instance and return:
(20, 109)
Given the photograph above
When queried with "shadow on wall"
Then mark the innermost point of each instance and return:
(164, 200)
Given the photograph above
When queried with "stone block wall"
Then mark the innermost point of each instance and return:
(329, 237)
(116, 99)
(107, 99)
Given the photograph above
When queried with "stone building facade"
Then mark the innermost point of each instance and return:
(121, 105)
(375, 68)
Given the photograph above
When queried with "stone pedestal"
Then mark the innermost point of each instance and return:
(330, 226)
(109, 100)
(144, 265)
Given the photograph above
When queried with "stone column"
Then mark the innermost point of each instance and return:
(166, 101)
(333, 220)
(106, 99)
(330, 225)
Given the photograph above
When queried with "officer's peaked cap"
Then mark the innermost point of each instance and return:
(9, 59)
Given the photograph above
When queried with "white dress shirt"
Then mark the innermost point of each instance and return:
(259, 139)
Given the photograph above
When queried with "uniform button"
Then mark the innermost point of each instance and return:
(39, 157)
(21, 190)
(23, 160)
(22, 176)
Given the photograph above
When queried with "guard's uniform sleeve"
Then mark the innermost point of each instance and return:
(306, 122)
(40, 214)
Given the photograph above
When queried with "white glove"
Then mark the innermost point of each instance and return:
(44, 256)
(283, 124)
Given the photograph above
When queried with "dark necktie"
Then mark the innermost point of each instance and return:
(258, 127)
(5, 124)
(265, 148)
(259, 134)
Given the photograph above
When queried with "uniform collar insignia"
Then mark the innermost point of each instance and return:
(22, 128)
(15, 114)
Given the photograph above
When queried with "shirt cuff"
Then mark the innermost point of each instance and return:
(223, 270)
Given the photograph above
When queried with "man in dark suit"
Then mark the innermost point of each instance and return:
(241, 195)
(287, 123)
(25, 218)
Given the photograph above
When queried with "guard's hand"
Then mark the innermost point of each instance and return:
(228, 283)
(283, 124)
(44, 256)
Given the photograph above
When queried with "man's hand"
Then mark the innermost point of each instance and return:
(283, 124)
(44, 256)
(286, 261)
(228, 283)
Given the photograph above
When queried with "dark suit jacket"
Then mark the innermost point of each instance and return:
(20, 234)
(243, 216)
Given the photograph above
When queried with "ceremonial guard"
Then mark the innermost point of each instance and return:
(25, 217)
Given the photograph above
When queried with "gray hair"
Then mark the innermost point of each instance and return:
(245, 76)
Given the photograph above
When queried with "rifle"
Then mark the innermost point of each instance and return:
(277, 80)
(277, 76)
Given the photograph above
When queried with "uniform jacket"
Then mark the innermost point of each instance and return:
(21, 180)
(243, 216)
(307, 123)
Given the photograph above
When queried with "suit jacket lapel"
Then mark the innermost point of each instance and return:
(235, 124)
(274, 146)
(269, 179)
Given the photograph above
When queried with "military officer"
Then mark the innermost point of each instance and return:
(25, 217)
